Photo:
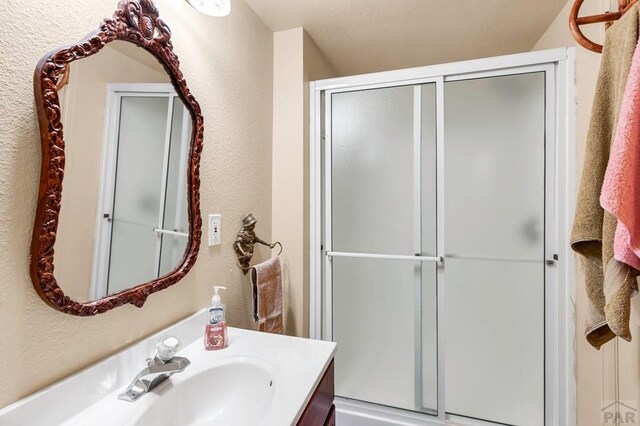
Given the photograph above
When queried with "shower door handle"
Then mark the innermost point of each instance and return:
(415, 258)
(169, 232)
(552, 262)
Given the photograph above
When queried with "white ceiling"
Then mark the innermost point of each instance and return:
(359, 36)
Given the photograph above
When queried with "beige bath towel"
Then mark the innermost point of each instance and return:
(609, 283)
(266, 279)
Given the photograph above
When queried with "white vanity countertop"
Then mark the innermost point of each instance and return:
(90, 396)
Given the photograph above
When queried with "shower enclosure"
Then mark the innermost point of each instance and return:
(438, 241)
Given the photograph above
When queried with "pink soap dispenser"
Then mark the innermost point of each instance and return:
(215, 333)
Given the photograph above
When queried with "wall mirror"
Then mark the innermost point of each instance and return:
(118, 209)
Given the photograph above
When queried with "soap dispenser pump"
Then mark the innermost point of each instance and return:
(215, 333)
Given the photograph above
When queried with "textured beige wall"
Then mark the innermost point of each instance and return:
(316, 67)
(288, 169)
(611, 373)
(296, 61)
(83, 115)
(228, 63)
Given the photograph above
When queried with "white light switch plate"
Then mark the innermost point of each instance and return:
(215, 222)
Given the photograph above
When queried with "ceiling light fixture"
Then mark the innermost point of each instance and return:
(212, 7)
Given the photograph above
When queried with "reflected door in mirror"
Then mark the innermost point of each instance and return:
(124, 217)
(143, 228)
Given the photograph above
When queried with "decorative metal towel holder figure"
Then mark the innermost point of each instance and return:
(608, 18)
(245, 241)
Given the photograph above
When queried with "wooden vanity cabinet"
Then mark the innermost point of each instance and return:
(331, 420)
(320, 410)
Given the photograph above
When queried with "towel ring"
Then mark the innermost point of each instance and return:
(277, 243)
(608, 18)
(245, 242)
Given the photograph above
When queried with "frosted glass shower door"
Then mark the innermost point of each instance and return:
(494, 187)
(175, 214)
(140, 158)
(383, 246)
(149, 224)
(440, 257)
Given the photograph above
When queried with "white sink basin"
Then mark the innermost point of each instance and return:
(259, 380)
(211, 397)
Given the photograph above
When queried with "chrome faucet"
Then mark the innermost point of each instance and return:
(159, 368)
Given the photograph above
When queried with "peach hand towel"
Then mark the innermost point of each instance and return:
(621, 187)
(266, 280)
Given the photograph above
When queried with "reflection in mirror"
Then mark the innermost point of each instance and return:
(123, 219)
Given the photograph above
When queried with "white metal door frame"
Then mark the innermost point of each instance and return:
(559, 185)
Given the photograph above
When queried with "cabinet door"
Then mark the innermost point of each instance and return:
(320, 405)
(331, 420)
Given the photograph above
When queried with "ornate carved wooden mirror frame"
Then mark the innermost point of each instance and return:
(136, 21)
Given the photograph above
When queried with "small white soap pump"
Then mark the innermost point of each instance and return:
(215, 333)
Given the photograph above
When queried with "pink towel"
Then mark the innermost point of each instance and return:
(621, 187)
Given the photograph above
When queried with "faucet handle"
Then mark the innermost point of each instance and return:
(167, 347)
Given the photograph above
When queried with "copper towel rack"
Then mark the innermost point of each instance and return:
(575, 22)
(245, 241)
